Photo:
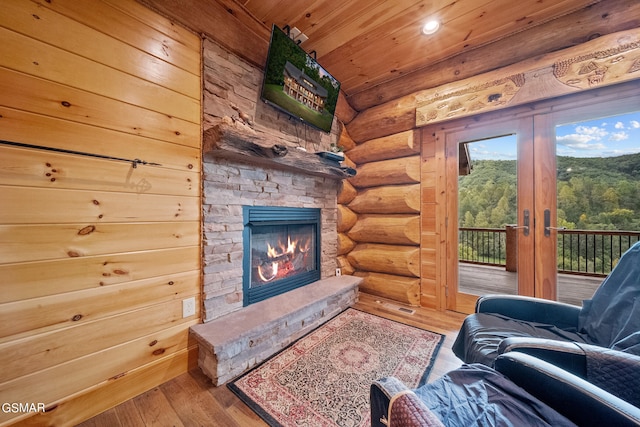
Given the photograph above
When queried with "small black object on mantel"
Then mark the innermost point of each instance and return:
(349, 171)
(329, 155)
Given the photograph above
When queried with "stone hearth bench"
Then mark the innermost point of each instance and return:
(238, 341)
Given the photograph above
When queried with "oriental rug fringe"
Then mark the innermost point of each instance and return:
(323, 379)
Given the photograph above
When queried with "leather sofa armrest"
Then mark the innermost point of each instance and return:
(564, 316)
(580, 401)
(615, 371)
(566, 355)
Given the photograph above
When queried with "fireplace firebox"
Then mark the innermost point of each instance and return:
(281, 250)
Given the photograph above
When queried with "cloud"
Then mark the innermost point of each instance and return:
(580, 142)
(619, 136)
(634, 124)
(619, 125)
(595, 132)
(585, 138)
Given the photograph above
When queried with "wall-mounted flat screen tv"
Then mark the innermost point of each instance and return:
(296, 84)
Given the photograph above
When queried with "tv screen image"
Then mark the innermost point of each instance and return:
(296, 84)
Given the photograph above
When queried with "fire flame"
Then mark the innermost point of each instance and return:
(280, 259)
(274, 272)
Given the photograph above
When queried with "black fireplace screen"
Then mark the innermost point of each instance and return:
(281, 250)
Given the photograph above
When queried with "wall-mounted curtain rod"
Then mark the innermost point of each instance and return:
(134, 162)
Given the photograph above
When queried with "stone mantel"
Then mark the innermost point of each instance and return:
(232, 139)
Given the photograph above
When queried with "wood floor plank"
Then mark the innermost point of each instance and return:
(106, 419)
(191, 400)
(128, 415)
(156, 410)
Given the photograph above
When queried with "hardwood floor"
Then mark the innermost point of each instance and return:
(191, 399)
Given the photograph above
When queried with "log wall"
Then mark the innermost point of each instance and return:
(379, 216)
(392, 180)
(96, 255)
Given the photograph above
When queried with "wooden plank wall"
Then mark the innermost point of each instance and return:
(96, 255)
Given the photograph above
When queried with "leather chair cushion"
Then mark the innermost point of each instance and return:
(481, 334)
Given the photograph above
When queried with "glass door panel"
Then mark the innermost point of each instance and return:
(487, 216)
(493, 210)
(598, 200)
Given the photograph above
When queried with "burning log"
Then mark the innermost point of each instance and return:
(271, 264)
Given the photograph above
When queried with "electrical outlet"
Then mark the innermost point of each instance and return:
(188, 307)
(338, 272)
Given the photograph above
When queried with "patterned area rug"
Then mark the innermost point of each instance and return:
(323, 379)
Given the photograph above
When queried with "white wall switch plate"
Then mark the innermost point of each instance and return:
(188, 307)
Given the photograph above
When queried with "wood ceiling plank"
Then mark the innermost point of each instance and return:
(262, 9)
(355, 21)
(407, 49)
(578, 27)
(303, 15)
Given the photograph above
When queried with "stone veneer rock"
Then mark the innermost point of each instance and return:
(233, 344)
(231, 84)
(228, 185)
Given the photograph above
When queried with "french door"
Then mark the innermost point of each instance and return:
(525, 209)
(512, 140)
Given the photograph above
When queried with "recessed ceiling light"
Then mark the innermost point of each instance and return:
(431, 26)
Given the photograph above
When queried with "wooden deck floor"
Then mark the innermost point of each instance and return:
(483, 279)
(191, 399)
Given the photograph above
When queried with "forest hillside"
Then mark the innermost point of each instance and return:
(593, 193)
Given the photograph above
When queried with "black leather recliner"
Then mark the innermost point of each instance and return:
(610, 319)
(584, 386)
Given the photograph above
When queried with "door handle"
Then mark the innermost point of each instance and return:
(547, 224)
(525, 221)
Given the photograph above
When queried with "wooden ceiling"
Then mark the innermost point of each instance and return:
(365, 43)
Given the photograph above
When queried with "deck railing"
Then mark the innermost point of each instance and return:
(587, 252)
(591, 252)
(486, 246)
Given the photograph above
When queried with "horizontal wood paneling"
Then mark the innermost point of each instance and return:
(80, 206)
(23, 92)
(28, 128)
(96, 255)
(26, 280)
(54, 312)
(44, 24)
(39, 59)
(20, 356)
(72, 412)
(40, 242)
(80, 374)
(39, 168)
(134, 24)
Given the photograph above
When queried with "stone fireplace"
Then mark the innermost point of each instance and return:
(252, 169)
(229, 188)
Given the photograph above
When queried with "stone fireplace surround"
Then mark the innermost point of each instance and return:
(232, 339)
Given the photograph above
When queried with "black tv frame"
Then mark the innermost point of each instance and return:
(311, 95)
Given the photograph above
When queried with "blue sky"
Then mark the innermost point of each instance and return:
(608, 137)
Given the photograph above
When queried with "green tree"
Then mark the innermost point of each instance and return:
(469, 221)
